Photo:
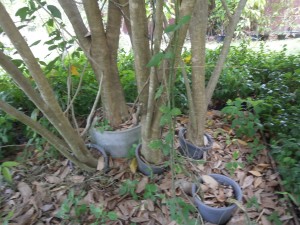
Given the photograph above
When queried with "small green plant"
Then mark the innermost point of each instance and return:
(5, 170)
(244, 116)
(82, 210)
(274, 218)
(131, 152)
(252, 202)
(101, 215)
(234, 165)
(150, 191)
(72, 201)
(5, 220)
(181, 211)
(129, 187)
(256, 147)
(103, 125)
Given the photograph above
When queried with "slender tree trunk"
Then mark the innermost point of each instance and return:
(151, 129)
(98, 48)
(224, 52)
(198, 28)
(201, 95)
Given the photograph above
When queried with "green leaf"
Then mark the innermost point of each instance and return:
(96, 211)
(35, 114)
(10, 164)
(155, 144)
(171, 28)
(159, 92)
(112, 215)
(52, 47)
(169, 55)
(165, 119)
(164, 109)
(169, 137)
(183, 20)
(50, 23)
(155, 60)
(6, 174)
(175, 112)
(22, 26)
(80, 210)
(35, 43)
(54, 11)
(22, 13)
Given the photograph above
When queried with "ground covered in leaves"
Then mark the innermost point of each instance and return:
(54, 192)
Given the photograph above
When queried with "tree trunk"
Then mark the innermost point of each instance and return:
(98, 48)
(198, 28)
(151, 115)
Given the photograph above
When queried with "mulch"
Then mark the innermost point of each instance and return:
(41, 186)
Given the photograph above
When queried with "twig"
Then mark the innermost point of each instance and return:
(77, 90)
(226, 9)
(189, 93)
(260, 215)
(89, 119)
(22, 145)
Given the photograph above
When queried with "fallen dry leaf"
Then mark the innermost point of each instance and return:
(133, 165)
(242, 142)
(142, 184)
(101, 163)
(47, 207)
(76, 179)
(27, 218)
(211, 182)
(257, 182)
(25, 191)
(53, 179)
(255, 173)
(248, 181)
(216, 146)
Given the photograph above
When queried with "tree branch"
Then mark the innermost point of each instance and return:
(59, 144)
(73, 14)
(89, 119)
(228, 13)
(224, 52)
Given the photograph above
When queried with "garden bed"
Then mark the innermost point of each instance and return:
(45, 190)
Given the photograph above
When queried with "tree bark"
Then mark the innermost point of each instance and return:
(198, 28)
(98, 49)
(151, 129)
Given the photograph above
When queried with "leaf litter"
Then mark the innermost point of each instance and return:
(41, 187)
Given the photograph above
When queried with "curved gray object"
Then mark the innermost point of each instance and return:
(191, 150)
(145, 168)
(116, 143)
(218, 215)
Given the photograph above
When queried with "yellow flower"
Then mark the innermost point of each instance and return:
(73, 70)
(187, 59)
